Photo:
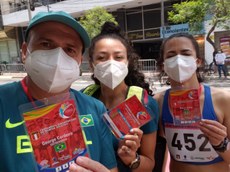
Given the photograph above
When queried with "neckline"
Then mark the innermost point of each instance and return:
(24, 83)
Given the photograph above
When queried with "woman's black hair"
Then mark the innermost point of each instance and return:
(135, 77)
(195, 45)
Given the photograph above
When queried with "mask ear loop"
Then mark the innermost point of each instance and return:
(27, 50)
(94, 66)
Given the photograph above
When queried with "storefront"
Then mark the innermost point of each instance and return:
(8, 46)
(222, 41)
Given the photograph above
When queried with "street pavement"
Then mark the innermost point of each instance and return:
(156, 86)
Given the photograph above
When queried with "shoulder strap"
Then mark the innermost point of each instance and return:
(141, 93)
(91, 89)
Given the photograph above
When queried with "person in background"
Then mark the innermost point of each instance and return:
(115, 72)
(213, 55)
(220, 61)
(52, 54)
(205, 146)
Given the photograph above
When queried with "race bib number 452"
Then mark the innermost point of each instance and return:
(189, 144)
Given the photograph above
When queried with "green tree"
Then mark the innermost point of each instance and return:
(195, 12)
(93, 20)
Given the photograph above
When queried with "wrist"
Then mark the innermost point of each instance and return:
(223, 146)
(136, 162)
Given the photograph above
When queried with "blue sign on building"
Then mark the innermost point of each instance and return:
(169, 30)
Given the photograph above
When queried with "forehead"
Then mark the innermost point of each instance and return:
(55, 30)
(110, 42)
(178, 43)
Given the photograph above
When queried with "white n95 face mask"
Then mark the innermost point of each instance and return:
(111, 72)
(52, 70)
(180, 68)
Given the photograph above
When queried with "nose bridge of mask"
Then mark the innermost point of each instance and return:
(116, 66)
(62, 60)
(108, 66)
(63, 57)
(65, 62)
(181, 59)
(55, 56)
(170, 62)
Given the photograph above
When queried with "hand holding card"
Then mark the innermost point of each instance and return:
(55, 134)
(129, 114)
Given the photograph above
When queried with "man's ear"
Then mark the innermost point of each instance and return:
(81, 60)
(23, 52)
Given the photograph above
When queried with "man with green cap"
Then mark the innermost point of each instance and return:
(52, 54)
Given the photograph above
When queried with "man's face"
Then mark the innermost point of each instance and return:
(51, 35)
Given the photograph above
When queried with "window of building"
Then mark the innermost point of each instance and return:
(134, 21)
(152, 19)
(4, 53)
(8, 51)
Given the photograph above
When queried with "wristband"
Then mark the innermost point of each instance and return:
(223, 146)
(136, 162)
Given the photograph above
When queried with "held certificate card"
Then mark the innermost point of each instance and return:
(55, 133)
(185, 106)
(127, 115)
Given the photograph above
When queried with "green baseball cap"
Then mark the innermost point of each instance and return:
(62, 17)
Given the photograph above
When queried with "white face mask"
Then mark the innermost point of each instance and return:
(52, 70)
(180, 68)
(111, 73)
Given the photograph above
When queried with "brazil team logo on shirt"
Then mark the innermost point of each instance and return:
(86, 120)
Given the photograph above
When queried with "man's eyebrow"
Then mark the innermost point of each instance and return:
(44, 39)
(72, 45)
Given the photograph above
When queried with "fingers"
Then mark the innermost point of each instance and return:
(126, 154)
(137, 131)
(213, 123)
(129, 145)
(132, 143)
(214, 128)
(76, 168)
(215, 131)
(133, 139)
(125, 150)
(84, 164)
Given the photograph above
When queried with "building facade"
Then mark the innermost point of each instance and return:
(144, 21)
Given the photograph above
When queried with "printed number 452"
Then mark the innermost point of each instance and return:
(190, 144)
